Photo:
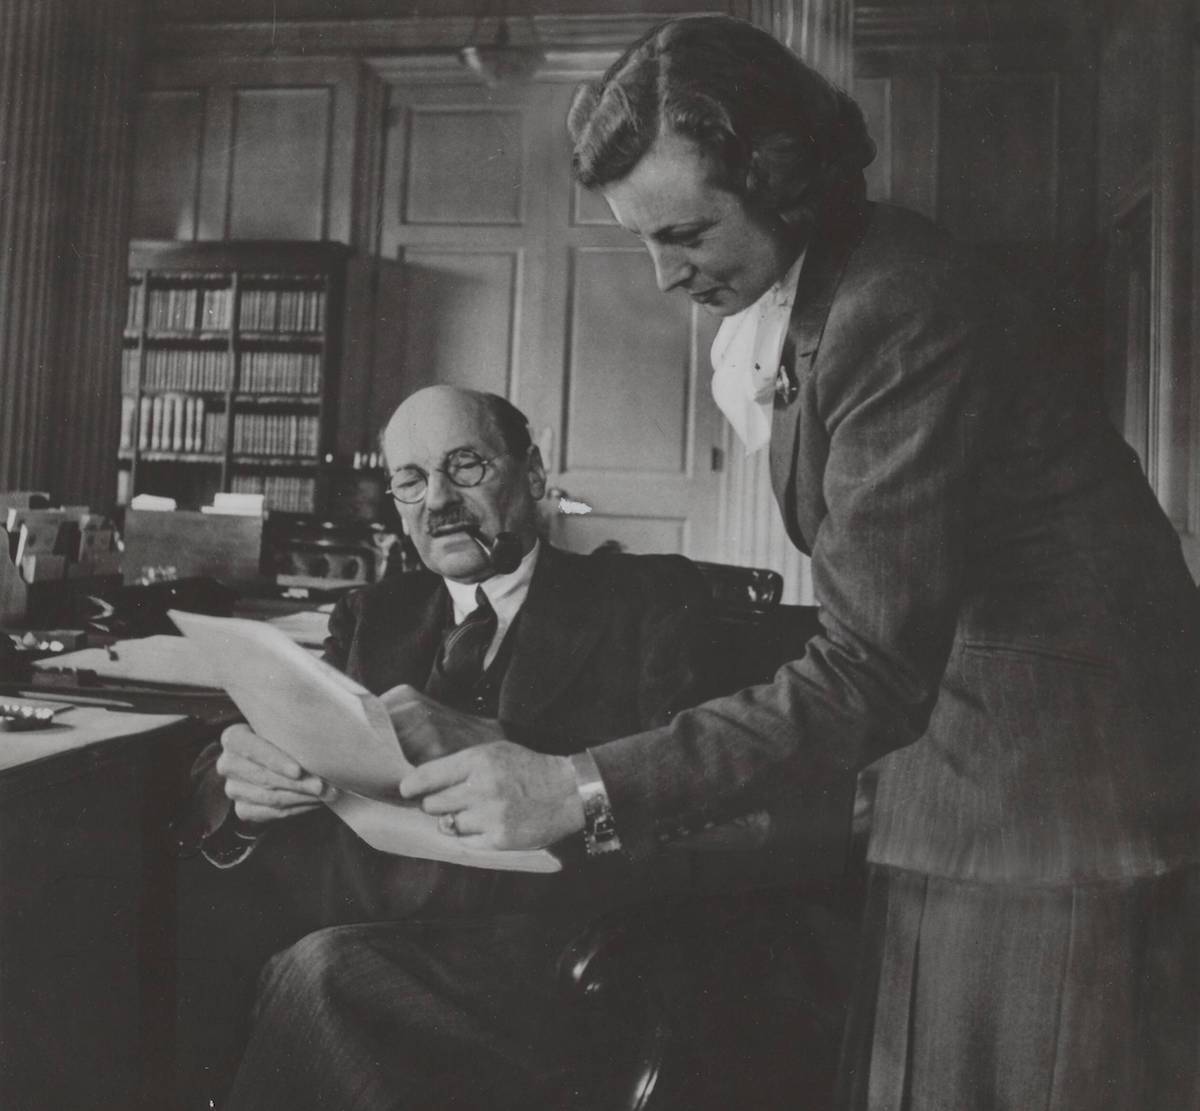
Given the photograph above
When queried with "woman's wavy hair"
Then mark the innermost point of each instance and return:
(775, 131)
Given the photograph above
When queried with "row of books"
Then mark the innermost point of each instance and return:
(172, 422)
(176, 368)
(280, 372)
(282, 310)
(276, 434)
(207, 308)
(183, 309)
(285, 493)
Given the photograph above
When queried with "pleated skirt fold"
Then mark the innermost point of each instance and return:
(979, 997)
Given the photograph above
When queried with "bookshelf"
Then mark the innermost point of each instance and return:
(230, 371)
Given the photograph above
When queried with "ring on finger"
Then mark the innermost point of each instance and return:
(448, 824)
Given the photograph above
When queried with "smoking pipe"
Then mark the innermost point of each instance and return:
(503, 553)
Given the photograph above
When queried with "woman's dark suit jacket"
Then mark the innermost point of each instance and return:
(1009, 628)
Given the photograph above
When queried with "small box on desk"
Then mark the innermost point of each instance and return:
(182, 544)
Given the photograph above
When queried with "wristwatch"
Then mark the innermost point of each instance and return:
(599, 828)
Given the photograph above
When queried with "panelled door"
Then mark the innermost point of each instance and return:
(521, 284)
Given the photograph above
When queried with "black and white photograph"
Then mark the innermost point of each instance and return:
(596, 555)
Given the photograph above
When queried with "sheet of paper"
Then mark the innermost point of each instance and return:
(156, 659)
(336, 729)
(309, 627)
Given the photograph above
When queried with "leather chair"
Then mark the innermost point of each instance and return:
(722, 1001)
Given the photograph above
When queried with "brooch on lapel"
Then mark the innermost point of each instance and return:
(786, 387)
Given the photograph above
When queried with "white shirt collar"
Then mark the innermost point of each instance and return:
(506, 593)
(745, 357)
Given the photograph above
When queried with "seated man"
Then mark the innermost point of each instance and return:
(565, 650)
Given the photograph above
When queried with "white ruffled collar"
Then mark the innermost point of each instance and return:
(745, 358)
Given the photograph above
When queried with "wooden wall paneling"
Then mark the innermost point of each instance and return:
(461, 311)
(874, 96)
(465, 165)
(900, 106)
(367, 159)
(274, 102)
(400, 33)
(914, 141)
(998, 156)
(169, 138)
(459, 169)
(216, 163)
(280, 150)
(628, 373)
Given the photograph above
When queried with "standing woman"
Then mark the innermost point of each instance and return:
(1010, 632)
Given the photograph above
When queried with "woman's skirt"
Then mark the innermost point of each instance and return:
(978, 997)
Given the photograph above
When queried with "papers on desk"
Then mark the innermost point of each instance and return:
(153, 502)
(335, 729)
(156, 659)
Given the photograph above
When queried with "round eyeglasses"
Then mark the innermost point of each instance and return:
(464, 468)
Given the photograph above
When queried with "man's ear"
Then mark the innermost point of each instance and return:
(537, 473)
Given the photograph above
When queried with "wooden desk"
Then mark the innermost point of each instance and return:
(87, 917)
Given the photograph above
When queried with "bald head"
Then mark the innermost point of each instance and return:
(428, 439)
(452, 402)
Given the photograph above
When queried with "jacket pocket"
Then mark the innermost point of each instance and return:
(1034, 652)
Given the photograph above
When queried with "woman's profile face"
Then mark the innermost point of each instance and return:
(702, 238)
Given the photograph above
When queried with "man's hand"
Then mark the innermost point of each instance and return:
(263, 781)
(428, 729)
(502, 796)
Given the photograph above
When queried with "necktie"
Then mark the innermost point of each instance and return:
(459, 663)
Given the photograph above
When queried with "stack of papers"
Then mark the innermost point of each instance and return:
(338, 730)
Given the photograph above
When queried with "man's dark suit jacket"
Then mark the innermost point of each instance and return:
(604, 645)
(1009, 627)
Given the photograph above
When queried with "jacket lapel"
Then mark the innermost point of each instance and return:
(838, 231)
(558, 626)
(425, 622)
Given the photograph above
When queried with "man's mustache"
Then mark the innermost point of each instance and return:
(455, 518)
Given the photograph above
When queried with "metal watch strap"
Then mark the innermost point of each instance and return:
(599, 828)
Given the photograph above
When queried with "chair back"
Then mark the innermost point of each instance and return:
(742, 589)
(751, 634)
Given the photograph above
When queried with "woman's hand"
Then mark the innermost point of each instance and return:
(263, 781)
(501, 796)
